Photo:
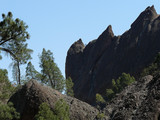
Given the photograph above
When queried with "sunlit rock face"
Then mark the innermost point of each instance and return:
(28, 98)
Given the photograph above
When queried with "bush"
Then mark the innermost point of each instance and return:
(100, 116)
(110, 93)
(8, 112)
(119, 84)
(153, 68)
(45, 113)
(99, 99)
(60, 112)
(69, 87)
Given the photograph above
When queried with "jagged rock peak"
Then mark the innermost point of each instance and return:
(148, 14)
(76, 47)
(108, 32)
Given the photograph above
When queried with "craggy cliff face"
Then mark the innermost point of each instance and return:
(92, 67)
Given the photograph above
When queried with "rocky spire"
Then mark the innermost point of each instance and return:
(76, 47)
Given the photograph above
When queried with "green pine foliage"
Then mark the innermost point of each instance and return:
(119, 84)
(69, 87)
(99, 99)
(153, 68)
(100, 116)
(13, 37)
(51, 74)
(31, 72)
(45, 113)
(8, 112)
(60, 112)
(6, 88)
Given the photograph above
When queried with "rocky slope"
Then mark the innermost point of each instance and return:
(92, 67)
(27, 100)
(140, 101)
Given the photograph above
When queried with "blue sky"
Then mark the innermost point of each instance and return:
(56, 24)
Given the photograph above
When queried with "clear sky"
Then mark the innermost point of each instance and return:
(56, 24)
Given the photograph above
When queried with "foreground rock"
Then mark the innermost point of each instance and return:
(140, 101)
(27, 100)
(92, 67)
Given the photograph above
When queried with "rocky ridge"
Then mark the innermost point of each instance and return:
(92, 67)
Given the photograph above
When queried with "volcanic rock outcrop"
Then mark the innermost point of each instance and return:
(140, 101)
(92, 67)
(27, 100)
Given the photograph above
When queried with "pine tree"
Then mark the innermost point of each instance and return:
(60, 112)
(8, 112)
(31, 72)
(119, 84)
(51, 74)
(13, 36)
(69, 87)
(6, 88)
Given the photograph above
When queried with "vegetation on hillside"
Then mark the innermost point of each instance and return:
(119, 84)
(8, 112)
(153, 68)
(60, 112)
(6, 88)
(69, 87)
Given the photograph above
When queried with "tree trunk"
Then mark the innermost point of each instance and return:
(19, 73)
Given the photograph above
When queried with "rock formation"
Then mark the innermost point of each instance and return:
(140, 101)
(92, 67)
(28, 98)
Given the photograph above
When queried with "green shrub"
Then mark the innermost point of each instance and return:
(60, 112)
(99, 99)
(153, 68)
(100, 116)
(119, 84)
(110, 93)
(8, 112)
(45, 113)
(69, 87)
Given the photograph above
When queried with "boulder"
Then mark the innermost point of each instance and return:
(28, 98)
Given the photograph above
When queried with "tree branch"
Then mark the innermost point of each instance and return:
(10, 52)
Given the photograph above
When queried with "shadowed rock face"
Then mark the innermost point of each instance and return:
(27, 100)
(92, 67)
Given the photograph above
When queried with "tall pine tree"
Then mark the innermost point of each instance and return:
(51, 74)
(13, 36)
(31, 72)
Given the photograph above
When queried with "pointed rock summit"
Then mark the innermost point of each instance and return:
(77, 47)
(147, 15)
